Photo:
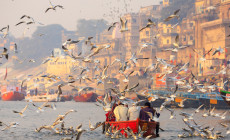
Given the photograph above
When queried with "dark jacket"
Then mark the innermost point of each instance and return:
(143, 115)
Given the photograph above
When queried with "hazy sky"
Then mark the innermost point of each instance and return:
(12, 10)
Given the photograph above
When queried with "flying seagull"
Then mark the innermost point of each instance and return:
(113, 25)
(123, 25)
(53, 7)
(174, 15)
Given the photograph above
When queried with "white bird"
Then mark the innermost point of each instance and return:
(12, 124)
(181, 104)
(123, 25)
(53, 7)
(145, 45)
(198, 109)
(202, 56)
(220, 50)
(22, 111)
(174, 15)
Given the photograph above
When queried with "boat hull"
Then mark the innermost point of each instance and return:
(218, 104)
(13, 96)
(88, 97)
(149, 127)
(225, 96)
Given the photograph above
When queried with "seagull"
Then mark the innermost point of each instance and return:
(203, 56)
(6, 32)
(113, 25)
(32, 60)
(116, 60)
(61, 117)
(88, 41)
(220, 50)
(69, 42)
(22, 111)
(53, 7)
(171, 112)
(12, 124)
(181, 104)
(5, 53)
(20, 23)
(174, 15)
(4, 28)
(93, 127)
(149, 24)
(123, 25)
(59, 92)
(145, 45)
(198, 109)
(152, 67)
(134, 59)
(127, 76)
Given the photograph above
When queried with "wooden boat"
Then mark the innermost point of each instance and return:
(149, 127)
(226, 96)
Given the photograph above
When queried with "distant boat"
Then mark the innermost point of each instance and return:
(13, 96)
(44, 98)
(225, 96)
(87, 97)
(214, 100)
(11, 93)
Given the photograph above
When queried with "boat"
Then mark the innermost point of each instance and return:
(87, 97)
(225, 96)
(12, 96)
(11, 93)
(213, 100)
(149, 127)
(44, 98)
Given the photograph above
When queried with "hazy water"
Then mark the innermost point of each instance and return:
(32, 120)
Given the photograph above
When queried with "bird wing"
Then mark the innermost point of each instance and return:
(207, 52)
(196, 52)
(48, 9)
(110, 27)
(20, 23)
(134, 86)
(168, 19)
(214, 52)
(142, 28)
(24, 109)
(177, 11)
(68, 112)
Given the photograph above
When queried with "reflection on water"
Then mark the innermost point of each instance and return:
(32, 120)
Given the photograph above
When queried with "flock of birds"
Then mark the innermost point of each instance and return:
(124, 66)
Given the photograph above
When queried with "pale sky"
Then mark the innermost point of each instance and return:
(12, 10)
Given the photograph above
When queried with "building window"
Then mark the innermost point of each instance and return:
(147, 33)
(191, 37)
(185, 39)
(167, 30)
(167, 41)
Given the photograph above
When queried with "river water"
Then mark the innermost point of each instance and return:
(86, 111)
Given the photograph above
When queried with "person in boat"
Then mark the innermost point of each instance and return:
(146, 117)
(134, 112)
(144, 112)
(110, 116)
(121, 112)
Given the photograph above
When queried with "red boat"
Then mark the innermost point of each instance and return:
(149, 127)
(11, 93)
(87, 97)
(13, 96)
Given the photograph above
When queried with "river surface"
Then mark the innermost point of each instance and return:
(86, 111)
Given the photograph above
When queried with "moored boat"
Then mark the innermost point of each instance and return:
(149, 127)
(87, 97)
(226, 96)
(214, 100)
(12, 96)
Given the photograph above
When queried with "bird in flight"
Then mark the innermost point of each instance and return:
(53, 7)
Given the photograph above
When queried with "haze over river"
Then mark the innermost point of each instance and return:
(32, 120)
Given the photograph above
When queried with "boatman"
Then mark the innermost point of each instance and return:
(121, 112)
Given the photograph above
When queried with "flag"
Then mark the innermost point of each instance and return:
(5, 74)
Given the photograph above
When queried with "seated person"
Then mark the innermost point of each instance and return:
(121, 112)
(134, 112)
(143, 113)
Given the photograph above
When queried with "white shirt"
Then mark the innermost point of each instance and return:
(121, 113)
(134, 112)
